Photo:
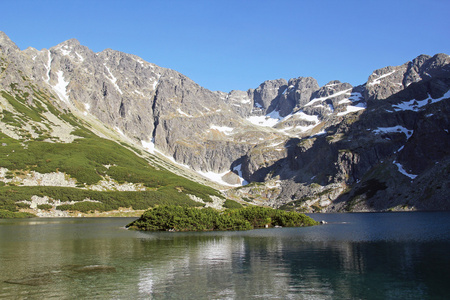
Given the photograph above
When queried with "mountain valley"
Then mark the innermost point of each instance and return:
(82, 131)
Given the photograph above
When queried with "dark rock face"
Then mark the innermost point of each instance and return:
(330, 148)
(266, 95)
(297, 94)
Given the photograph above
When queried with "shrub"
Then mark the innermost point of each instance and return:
(193, 219)
(6, 214)
(22, 205)
(45, 206)
(231, 204)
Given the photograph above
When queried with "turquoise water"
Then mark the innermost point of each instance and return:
(354, 256)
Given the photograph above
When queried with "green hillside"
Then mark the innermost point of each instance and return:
(29, 143)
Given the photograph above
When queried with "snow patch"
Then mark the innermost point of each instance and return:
(64, 50)
(183, 113)
(397, 128)
(352, 108)
(403, 171)
(224, 129)
(378, 80)
(415, 105)
(81, 58)
(312, 101)
(48, 66)
(320, 133)
(216, 177)
(113, 80)
(149, 146)
(156, 81)
(305, 128)
(155, 84)
(330, 106)
(117, 129)
(273, 118)
(61, 86)
(306, 117)
(266, 121)
(140, 62)
(356, 96)
(343, 101)
(238, 169)
(275, 144)
(87, 107)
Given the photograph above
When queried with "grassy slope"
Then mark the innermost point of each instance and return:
(87, 159)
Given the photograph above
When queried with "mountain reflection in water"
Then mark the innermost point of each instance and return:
(380, 256)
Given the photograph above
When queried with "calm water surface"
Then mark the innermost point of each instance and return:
(354, 256)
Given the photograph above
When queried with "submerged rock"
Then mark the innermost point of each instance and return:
(96, 269)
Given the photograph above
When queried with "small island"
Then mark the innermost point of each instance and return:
(178, 218)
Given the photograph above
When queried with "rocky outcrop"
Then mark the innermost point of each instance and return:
(385, 82)
(266, 96)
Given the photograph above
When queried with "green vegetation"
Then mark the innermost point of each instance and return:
(231, 204)
(45, 206)
(6, 214)
(88, 159)
(177, 218)
(18, 104)
(20, 205)
(8, 118)
(296, 205)
(85, 160)
(109, 200)
(84, 207)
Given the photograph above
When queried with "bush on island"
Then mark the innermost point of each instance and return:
(177, 218)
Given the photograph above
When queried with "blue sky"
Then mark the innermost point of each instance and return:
(226, 45)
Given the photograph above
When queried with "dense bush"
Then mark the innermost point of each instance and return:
(230, 204)
(22, 205)
(45, 206)
(193, 219)
(110, 200)
(6, 214)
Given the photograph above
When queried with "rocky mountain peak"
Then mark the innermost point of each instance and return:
(71, 43)
(266, 94)
(384, 82)
(6, 45)
(331, 88)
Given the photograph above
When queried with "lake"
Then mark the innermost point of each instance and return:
(354, 256)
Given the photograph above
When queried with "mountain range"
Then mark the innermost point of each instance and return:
(291, 144)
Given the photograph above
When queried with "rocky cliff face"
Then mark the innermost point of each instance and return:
(330, 148)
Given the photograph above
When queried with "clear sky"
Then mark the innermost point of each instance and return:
(238, 44)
